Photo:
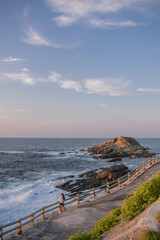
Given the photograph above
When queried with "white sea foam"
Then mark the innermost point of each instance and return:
(14, 200)
(12, 152)
(15, 189)
(50, 153)
(20, 198)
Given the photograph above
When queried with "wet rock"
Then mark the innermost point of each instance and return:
(88, 175)
(94, 178)
(65, 185)
(61, 153)
(69, 176)
(115, 159)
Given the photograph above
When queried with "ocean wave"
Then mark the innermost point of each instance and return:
(12, 200)
(12, 152)
(47, 153)
(15, 189)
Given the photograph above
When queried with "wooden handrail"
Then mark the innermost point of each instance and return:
(91, 192)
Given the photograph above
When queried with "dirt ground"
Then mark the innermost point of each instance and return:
(78, 218)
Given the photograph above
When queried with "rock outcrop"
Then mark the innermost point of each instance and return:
(94, 178)
(120, 147)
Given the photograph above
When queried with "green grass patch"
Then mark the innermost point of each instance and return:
(106, 223)
(86, 235)
(147, 193)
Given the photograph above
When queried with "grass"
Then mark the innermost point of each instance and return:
(86, 235)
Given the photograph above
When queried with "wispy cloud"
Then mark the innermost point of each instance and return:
(24, 69)
(69, 84)
(23, 77)
(11, 60)
(148, 90)
(113, 87)
(103, 105)
(6, 113)
(33, 37)
(71, 12)
(55, 77)
(26, 11)
(103, 23)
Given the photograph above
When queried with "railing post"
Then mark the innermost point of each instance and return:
(42, 213)
(119, 182)
(143, 166)
(59, 207)
(32, 220)
(19, 229)
(107, 187)
(153, 159)
(93, 193)
(136, 171)
(77, 199)
(1, 233)
(149, 161)
(129, 177)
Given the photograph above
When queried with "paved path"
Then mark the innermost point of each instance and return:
(59, 226)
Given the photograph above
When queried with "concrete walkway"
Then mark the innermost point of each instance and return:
(59, 226)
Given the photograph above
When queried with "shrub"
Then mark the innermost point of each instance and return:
(147, 193)
(106, 223)
(149, 235)
(91, 235)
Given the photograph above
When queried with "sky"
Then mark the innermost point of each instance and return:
(79, 68)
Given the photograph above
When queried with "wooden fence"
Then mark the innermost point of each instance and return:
(92, 193)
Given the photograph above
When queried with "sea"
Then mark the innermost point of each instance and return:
(31, 168)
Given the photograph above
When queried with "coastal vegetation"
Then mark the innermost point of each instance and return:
(147, 193)
(133, 205)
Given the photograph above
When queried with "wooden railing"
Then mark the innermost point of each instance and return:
(92, 193)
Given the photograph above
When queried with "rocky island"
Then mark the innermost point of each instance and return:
(119, 147)
(114, 150)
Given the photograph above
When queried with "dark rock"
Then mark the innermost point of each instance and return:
(69, 176)
(65, 185)
(61, 153)
(115, 159)
(93, 178)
